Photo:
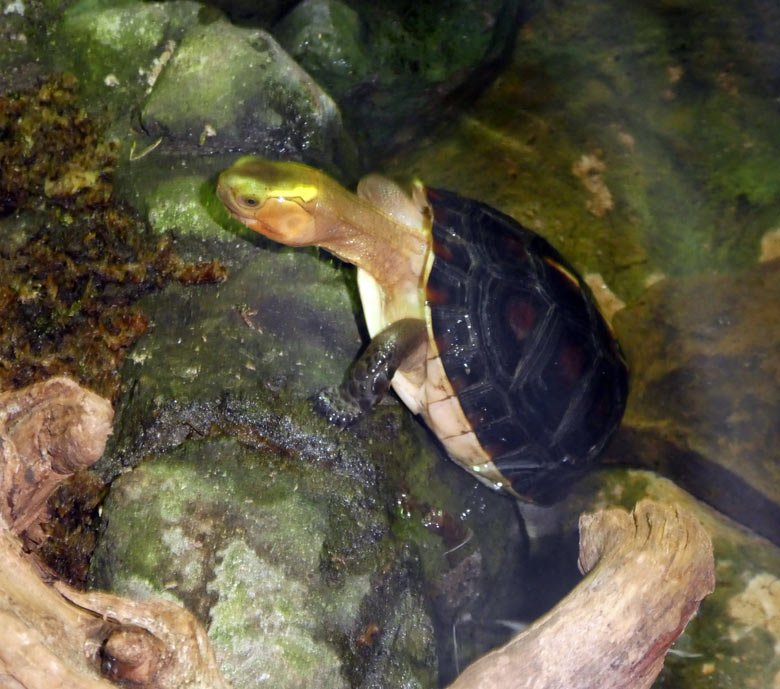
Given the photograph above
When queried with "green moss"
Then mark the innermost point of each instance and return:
(114, 38)
(176, 204)
(246, 553)
(253, 596)
(74, 260)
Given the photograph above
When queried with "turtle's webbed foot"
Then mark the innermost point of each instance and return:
(339, 409)
(368, 380)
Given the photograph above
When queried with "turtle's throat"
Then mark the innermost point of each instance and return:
(357, 232)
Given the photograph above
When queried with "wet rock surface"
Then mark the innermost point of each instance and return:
(218, 66)
(281, 558)
(233, 480)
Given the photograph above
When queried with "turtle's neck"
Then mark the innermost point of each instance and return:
(359, 233)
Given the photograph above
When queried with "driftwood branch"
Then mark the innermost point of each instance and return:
(649, 570)
(53, 637)
(48, 431)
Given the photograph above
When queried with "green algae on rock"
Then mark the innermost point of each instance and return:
(233, 88)
(325, 37)
(103, 32)
(253, 545)
(395, 66)
(118, 49)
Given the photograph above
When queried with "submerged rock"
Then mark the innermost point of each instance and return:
(705, 363)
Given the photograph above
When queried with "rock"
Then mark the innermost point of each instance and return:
(16, 32)
(394, 67)
(704, 354)
(118, 48)
(233, 88)
(326, 38)
(273, 555)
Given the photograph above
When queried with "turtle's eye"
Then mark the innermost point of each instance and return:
(248, 201)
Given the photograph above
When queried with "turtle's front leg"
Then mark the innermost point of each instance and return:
(368, 380)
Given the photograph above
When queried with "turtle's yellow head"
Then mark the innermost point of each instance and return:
(277, 199)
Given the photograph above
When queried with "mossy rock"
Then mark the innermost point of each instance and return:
(395, 67)
(234, 88)
(227, 372)
(117, 48)
(247, 539)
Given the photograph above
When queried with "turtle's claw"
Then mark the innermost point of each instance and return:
(339, 410)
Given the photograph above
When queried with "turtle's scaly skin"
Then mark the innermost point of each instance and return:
(537, 372)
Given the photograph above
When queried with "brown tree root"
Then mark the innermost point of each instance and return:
(48, 431)
(54, 637)
(648, 572)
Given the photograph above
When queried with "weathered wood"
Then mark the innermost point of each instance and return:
(53, 637)
(48, 431)
(648, 572)
(42, 637)
(153, 643)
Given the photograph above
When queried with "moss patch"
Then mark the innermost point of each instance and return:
(72, 260)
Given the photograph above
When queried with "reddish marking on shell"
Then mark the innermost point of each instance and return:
(521, 316)
(442, 251)
(514, 248)
(572, 362)
(436, 296)
(497, 449)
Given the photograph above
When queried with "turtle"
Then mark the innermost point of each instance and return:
(479, 324)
